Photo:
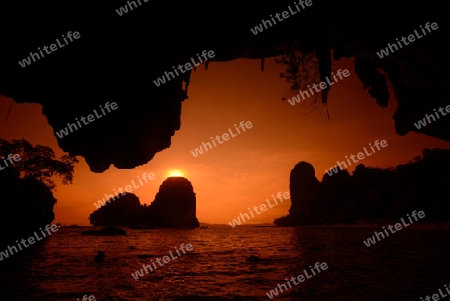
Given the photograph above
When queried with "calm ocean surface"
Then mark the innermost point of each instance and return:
(405, 266)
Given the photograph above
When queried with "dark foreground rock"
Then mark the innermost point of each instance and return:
(122, 54)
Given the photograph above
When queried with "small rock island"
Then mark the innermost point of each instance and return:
(174, 206)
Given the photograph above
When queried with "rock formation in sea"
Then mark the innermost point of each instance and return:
(124, 211)
(303, 187)
(371, 194)
(174, 205)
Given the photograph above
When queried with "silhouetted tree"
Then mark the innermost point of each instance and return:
(26, 199)
(38, 162)
(302, 69)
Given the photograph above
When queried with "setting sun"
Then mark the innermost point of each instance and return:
(175, 173)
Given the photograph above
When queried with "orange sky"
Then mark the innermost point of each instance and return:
(245, 170)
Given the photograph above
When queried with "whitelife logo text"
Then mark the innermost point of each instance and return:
(225, 137)
(27, 61)
(90, 118)
(263, 208)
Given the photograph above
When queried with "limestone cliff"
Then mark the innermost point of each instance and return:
(174, 205)
(117, 58)
(370, 194)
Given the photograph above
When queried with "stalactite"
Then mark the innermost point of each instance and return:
(323, 54)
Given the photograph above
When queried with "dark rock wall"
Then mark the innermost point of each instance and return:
(117, 58)
(26, 205)
(371, 194)
(174, 205)
(303, 187)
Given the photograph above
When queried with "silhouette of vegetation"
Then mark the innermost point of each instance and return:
(27, 201)
(301, 69)
(372, 194)
(38, 162)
